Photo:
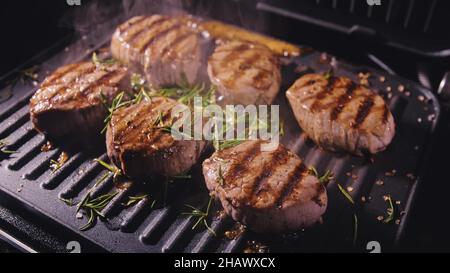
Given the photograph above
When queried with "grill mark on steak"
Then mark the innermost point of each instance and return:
(137, 122)
(246, 63)
(169, 47)
(278, 159)
(145, 28)
(102, 80)
(65, 85)
(240, 164)
(343, 100)
(316, 106)
(160, 34)
(234, 54)
(58, 75)
(294, 178)
(126, 27)
(363, 111)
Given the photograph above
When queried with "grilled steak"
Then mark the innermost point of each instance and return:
(267, 191)
(138, 141)
(166, 49)
(69, 102)
(340, 115)
(244, 73)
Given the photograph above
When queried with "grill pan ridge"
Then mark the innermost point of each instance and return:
(27, 180)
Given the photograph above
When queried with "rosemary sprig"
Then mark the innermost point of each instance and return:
(134, 199)
(3, 144)
(57, 164)
(111, 170)
(355, 217)
(225, 144)
(93, 207)
(346, 194)
(185, 93)
(325, 178)
(355, 228)
(68, 202)
(97, 61)
(329, 74)
(115, 104)
(201, 216)
(390, 210)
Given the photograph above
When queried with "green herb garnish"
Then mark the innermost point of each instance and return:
(68, 202)
(355, 228)
(390, 210)
(325, 178)
(346, 194)
(201, 215)
(3, 144)
(329, 74)
(116, 104)
(186, 92)
(134, 199)
(93, 207)
(97, 61)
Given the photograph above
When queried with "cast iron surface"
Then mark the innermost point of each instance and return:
(27, 180)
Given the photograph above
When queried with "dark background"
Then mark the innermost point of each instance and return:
(28, 27)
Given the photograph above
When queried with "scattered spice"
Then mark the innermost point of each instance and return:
(419, 120)
(389, 89)
(379, 182)
(421, 98)
(397, 221)
(407, 93)
(57, 164)
(255, 247)
(401, 88)
(431, 117)
(391, 173)
(364, 78)
(382, 78)
(363, 199)
(411, 176)
(234, 233)
(48, 146)
(349, 189)
(380, 218)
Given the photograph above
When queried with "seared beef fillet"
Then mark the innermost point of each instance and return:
(69, 101)
(267, 191)
(164, 48)
(137, 142)
(340, 115)
(244, 73)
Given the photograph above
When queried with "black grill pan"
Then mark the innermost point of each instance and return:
(26, 179)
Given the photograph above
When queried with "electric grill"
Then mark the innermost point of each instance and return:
(28, 185)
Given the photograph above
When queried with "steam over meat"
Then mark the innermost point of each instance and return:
(267, 191)
(68, 102)
(137, 143)
(164, 48)
(340, 115)
(244, 73)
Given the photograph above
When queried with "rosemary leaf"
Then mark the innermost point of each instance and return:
(346, 194)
